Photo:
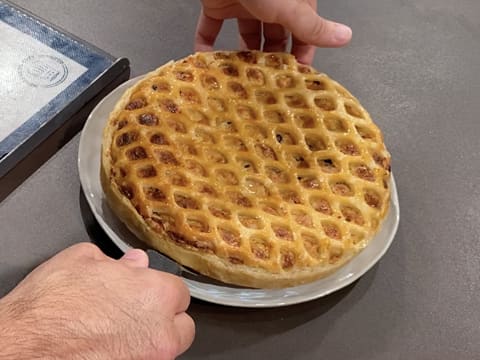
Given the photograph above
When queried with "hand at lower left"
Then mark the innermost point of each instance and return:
(81, 304)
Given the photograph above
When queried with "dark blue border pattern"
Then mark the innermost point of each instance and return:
(95, 62)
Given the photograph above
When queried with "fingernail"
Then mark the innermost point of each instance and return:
(133, 254)
(342, 33)
(136, 258)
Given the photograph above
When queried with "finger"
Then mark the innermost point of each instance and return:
(185, 327)
(276, 37)
(182, 298)
(172, 291)
(302, 51)
(250, 34)
(135, 258)
(312, 29)
(207, 32)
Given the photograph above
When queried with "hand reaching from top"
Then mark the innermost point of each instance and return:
(275, 21)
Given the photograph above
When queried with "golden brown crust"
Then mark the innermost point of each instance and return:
(246, 167)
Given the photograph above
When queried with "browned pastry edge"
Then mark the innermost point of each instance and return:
(205, 263)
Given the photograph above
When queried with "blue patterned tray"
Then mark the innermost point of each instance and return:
(46, 76)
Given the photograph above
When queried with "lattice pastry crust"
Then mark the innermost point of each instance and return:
(247, 167)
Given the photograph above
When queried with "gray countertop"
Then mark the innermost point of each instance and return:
(415, 66)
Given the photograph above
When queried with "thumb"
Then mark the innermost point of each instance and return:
(135, 258)
(302, 20)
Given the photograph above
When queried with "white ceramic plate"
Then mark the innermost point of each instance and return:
(89, 169)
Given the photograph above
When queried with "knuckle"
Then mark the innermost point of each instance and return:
(84, 248)
(319, 29)
(174, 282)
(161, 283)
(174, 288)
(191, 328)
(181, 287)
(169, 346)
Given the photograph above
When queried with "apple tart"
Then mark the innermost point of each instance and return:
(247, 167)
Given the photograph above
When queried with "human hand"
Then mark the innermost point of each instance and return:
(277, 19)
(81, 304)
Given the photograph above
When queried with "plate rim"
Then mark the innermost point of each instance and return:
(394, 210)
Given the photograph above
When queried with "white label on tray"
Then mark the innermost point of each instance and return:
(31, 75)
